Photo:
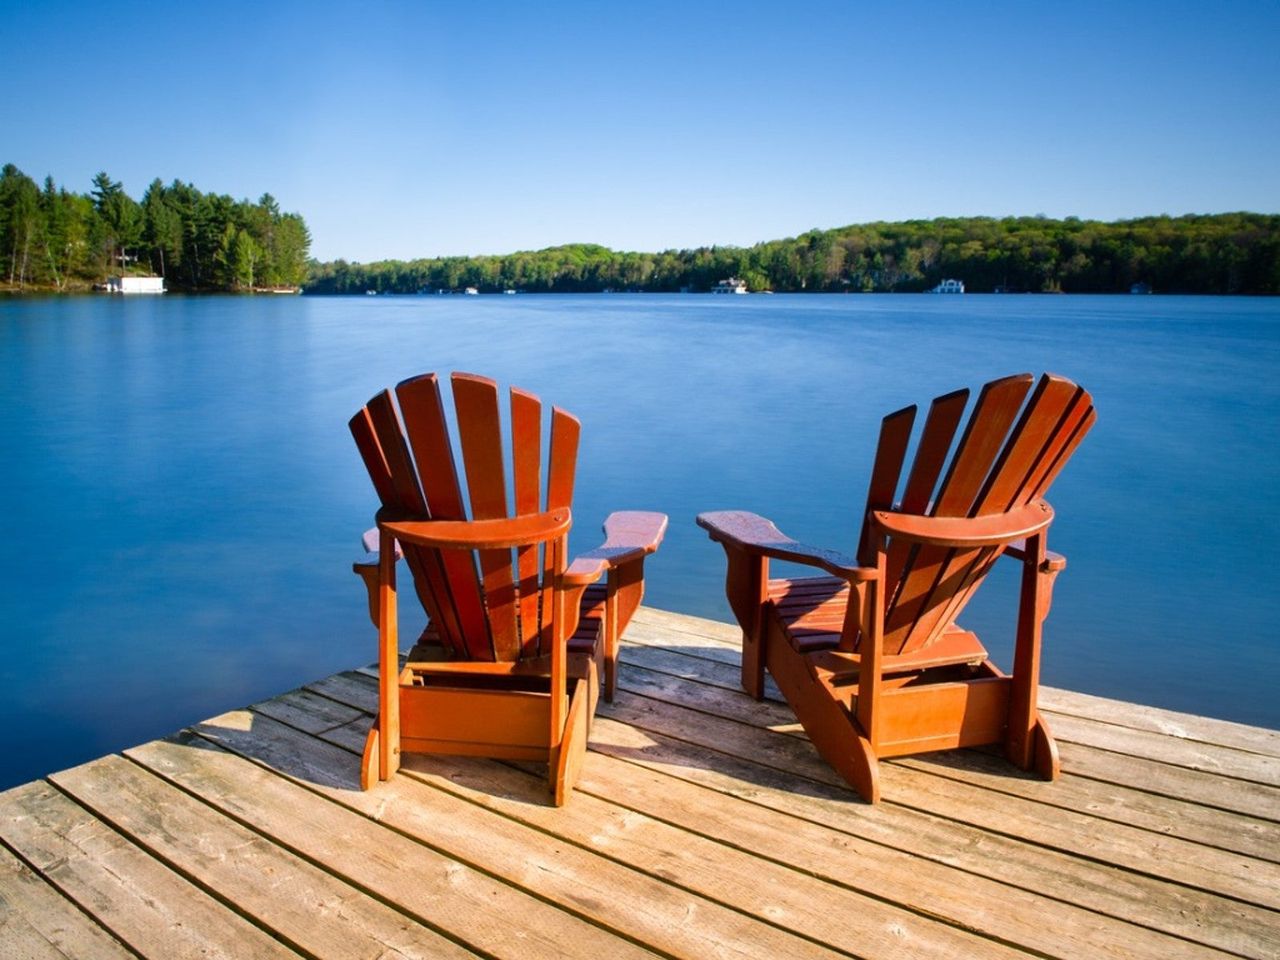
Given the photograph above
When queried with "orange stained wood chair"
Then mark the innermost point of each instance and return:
(869, 655)
(509, 665)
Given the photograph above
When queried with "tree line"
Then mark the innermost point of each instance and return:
(1220, 253)
(53, 238)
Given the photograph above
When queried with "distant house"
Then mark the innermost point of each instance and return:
(135, 284)
(732, 285)
(949, 286)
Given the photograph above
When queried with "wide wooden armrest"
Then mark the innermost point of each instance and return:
(629, 535)
(369, 540)
(1052, 561)
(503, 533)
(757, 536)
(989, 531)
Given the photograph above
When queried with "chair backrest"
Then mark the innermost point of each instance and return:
(1002, 460)
(485, 604)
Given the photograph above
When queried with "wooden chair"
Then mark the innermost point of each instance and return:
(517, 636)
(870, 656)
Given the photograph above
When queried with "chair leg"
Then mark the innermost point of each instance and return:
(833, 732)
(566, 760)
(610, 665)
(369, 761)
(1044, 753)
(746, 585)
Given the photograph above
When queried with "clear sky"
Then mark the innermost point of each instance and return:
(420, 129)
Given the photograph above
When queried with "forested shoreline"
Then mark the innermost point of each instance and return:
(55, 239)
(1231, 253)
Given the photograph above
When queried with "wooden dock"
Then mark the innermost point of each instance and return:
(704, 826)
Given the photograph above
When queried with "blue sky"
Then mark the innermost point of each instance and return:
(421, 129)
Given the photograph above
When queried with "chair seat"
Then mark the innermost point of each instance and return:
(811, 611)
(591, 616)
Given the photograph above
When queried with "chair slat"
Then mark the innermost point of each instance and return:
(931, 453)
(891, 450)
(475, 401)
(1071, 441)
(395, 452)
(371, 453)
(562, 463)
(526, 460)
(422, 408)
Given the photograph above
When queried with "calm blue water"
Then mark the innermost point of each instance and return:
(182, 499)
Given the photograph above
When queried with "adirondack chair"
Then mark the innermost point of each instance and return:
(509, 665)
(869, 655)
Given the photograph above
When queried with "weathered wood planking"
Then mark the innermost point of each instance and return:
(704, 826)
(133, 894)
(37, 922)
(734, 850)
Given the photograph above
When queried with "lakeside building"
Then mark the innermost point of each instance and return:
(732, 285)
(949, 286)
(135, 285)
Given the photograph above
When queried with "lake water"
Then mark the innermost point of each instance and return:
(182, 499)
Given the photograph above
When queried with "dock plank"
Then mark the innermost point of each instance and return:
(1169, 723)
(1177, 751)
(1194, 786)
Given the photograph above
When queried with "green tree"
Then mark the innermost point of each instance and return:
(120, 217)
(20, 222)
(162, 229)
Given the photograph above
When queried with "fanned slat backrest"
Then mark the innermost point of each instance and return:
(503, 609)
(993, 469)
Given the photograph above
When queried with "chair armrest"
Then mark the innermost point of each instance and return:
(499, 534)
(1054, 562)
(369, 540)
(990, 531)
(629, 535)
(757, 536)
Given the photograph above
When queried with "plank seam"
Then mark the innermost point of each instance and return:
(53, 885)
